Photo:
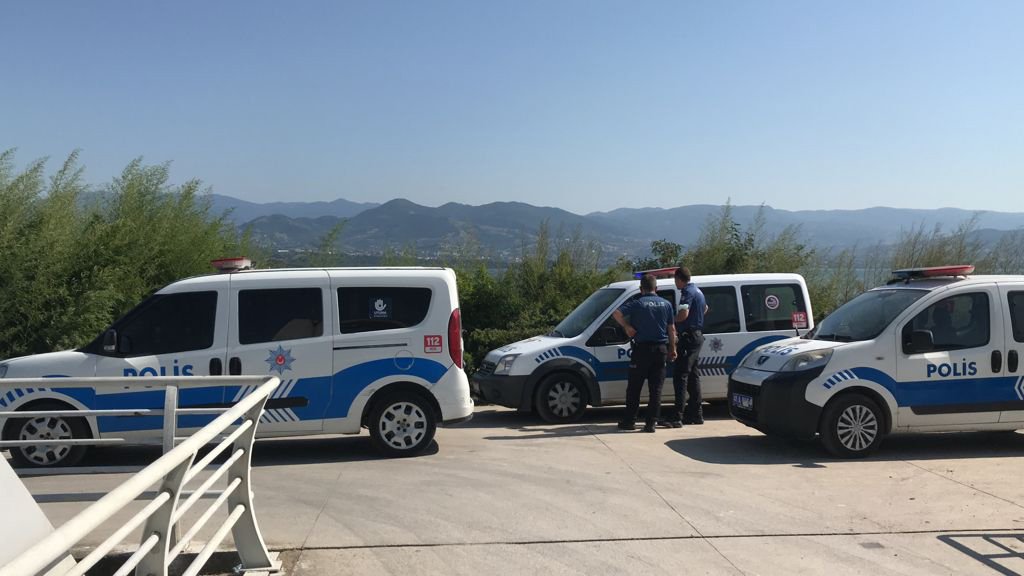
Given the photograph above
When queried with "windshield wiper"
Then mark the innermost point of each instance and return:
(556, 334)
(834, 337)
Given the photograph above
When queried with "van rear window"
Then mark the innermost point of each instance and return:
(770, 307)
(374, 308)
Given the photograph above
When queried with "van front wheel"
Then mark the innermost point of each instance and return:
(42, 428)
(851, 426)
(402, 425)
(561, 398)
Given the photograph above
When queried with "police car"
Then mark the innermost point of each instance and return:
(353, 347)
(936, 349)
(585, 359)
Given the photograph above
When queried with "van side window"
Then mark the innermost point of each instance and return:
(1017, 315)
(168, 324)
(279, 314)
(956, 323)
(611, 332)
(723, 314)
(369, 309)
(770, 307)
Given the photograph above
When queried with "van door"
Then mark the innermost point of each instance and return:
(386, 327)
(168, 334)
(957, 380)
(610, 345)
(280, 327)
(1012, 303)
(723, 339)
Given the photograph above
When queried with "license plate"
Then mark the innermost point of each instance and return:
(743, 402)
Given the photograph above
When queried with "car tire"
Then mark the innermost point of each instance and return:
(561, 398)
(852, 426)
(52, 455)
(402, 424)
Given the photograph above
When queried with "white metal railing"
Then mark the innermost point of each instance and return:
(234, 430)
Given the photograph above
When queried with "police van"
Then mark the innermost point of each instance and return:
(936, 349)
(353, 347)
(584, 361)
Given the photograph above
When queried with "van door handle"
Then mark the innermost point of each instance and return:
(997, 361)
(235, 366)
(216, 367)
(1011, 361)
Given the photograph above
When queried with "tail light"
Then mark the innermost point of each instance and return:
(455, 337)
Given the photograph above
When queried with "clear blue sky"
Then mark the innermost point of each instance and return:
(587, 105)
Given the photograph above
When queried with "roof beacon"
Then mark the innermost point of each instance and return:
(659, 273)
(908, 274)
(228, 265)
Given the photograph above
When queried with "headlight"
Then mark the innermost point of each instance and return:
(807, 361)
(505, 364)
(3, 370)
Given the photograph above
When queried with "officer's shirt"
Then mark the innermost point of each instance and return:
(650, 315)
(692, 296)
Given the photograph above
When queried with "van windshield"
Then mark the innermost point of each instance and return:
(864, 317)
(584, 315)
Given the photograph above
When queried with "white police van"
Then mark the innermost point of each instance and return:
(585, 360)
(934, 350)
(353, 347)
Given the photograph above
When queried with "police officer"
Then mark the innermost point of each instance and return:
(653, 340)
(685, 374)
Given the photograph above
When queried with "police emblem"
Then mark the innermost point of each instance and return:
(716, 345)
(280, 360)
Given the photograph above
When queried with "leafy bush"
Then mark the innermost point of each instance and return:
(74, 261)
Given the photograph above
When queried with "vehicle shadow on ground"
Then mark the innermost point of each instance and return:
(595, 421)
(266, 452)
(760, 449)
(997, 551)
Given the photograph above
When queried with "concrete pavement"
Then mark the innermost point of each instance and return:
(508, 494)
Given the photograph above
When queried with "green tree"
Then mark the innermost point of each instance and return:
(73, 263)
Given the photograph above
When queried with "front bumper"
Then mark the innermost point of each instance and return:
(501, 390)
(780, 406)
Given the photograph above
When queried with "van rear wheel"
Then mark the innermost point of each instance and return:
(561, 398)
(851, 426)
(42, 428)
(402, 425)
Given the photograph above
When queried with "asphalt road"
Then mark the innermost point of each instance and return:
(507, 494)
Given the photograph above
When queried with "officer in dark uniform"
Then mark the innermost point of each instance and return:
(685, 374)
(653, 341)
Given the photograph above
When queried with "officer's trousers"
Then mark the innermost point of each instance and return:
(686, 376)
(646, 363)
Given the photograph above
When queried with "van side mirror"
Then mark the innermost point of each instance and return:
(110, 340)
(922, 341)
(608, 334)
(604, 336)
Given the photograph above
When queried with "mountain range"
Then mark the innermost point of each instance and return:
(501, 228)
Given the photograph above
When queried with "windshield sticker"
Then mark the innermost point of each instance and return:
(772, 302)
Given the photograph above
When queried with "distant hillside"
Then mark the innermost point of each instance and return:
(839, 228)
(500, 228)
(243, 211)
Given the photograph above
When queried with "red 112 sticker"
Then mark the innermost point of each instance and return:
(799, 319)
(432, 344)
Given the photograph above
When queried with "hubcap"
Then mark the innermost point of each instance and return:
(46, 428)
(564, 399)
(403, 425)
(857, 427)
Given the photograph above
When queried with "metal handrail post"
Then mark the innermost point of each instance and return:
(170, 417)
(154, 563)
(246, 532)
